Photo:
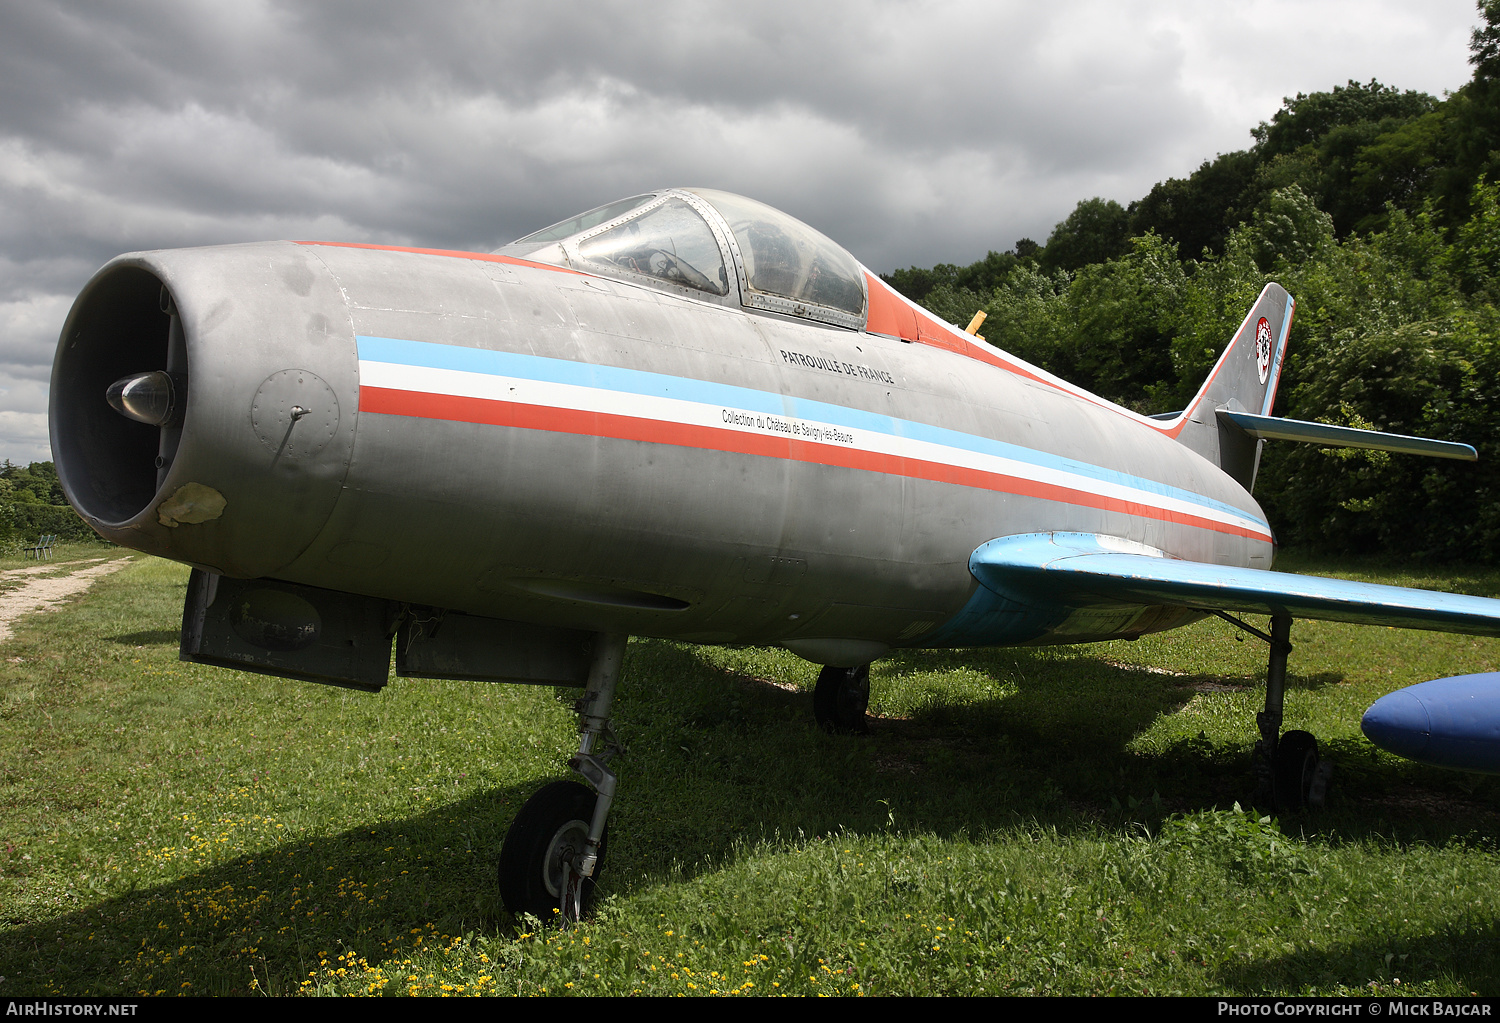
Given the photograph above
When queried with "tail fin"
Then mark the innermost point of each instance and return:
(1243, 380)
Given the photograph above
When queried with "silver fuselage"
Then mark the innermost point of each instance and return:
(536, 444)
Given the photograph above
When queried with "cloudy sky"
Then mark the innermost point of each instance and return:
(913, 132)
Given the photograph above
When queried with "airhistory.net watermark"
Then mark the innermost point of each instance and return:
(42, 1007)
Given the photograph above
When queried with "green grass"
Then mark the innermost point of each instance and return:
(1056, 820)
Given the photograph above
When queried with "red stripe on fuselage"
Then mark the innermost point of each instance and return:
(490, 412)
(483, 257)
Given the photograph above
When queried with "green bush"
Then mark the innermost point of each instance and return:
(25, 522)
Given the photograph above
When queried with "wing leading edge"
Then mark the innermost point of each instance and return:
(1082, 570)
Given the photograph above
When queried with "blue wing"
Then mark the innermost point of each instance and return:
(1081, 571)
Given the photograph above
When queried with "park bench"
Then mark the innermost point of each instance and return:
(42, 547)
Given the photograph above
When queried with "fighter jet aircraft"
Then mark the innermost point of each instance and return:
(682, 415)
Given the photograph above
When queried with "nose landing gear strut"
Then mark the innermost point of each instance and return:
(554, 849)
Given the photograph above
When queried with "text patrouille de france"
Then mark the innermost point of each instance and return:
(831, 365)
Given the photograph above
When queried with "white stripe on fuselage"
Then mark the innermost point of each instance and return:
(583, 398)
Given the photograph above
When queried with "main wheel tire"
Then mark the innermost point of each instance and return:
(542, 851)
(1296, 764)
(840, 699)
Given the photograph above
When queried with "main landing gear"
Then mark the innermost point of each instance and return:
(840, 699)
(1289, 773)
(554, 849)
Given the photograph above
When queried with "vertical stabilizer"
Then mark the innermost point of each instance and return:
(1243, 380)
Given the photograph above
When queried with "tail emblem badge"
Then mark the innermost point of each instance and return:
(1263, 348)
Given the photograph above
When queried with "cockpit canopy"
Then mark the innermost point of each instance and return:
(713, 245)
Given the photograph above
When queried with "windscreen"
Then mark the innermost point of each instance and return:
(786, 258)
(671, 243)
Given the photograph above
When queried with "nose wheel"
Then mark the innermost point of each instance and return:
(541, 861)
(554, 849)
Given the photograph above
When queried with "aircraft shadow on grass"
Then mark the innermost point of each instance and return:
(192, 927)
(714, 770)
(1470, 955)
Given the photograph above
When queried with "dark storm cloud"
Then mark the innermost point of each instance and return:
(911, 132)
(178, 104)
(912, 75)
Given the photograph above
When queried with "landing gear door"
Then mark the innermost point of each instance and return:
(278, 628)
(438, 644)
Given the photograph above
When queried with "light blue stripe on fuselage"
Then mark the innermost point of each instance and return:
(643, 382)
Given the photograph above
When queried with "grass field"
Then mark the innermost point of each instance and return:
(1018, 821)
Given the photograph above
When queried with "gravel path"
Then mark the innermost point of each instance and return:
(46, 593)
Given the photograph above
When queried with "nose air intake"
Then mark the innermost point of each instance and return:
(119, 394)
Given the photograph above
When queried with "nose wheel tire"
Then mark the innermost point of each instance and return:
(840, 699)
(542, 852)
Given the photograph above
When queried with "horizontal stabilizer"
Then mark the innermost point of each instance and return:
(1271, 428)
(1082, 570)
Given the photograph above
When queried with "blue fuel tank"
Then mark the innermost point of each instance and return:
(1448, 722)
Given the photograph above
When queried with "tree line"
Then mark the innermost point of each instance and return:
(1379, 210)
(32, 504)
